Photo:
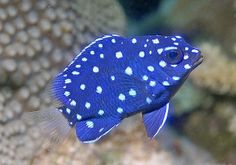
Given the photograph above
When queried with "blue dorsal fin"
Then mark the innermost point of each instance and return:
(91, 130)
(155, 120)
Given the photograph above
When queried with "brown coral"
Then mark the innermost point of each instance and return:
(37, 38)
(217, 72)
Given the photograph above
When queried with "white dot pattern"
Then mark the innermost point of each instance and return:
(73, 103)
(120, 110)
(82, 86)
(134, 41)
(152, 83)
(75, 73)
(119, 54)
(95, 69)
(141, 54)
(87, 105)
(121, 97)
(150, 68)
(79, 117)
(162, 64)
(129, 71)
(187, 66)
(90, 124)
(165, 83)
(132, 92)
(100, 112)
(145, 77)
(99, 89)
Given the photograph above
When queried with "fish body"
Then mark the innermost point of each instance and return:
(116, 77)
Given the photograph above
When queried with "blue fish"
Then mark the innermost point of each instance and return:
(114, 78)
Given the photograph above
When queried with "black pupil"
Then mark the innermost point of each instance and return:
(173, 55)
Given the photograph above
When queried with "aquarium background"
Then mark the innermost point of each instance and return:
(39, 37)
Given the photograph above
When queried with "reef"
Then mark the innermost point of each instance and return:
(38, 38)
(216, 61)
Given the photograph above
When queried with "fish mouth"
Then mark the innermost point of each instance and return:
(198, 62)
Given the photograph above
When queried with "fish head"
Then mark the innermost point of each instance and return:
(176, 59)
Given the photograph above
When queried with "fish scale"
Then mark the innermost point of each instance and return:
(116, 77)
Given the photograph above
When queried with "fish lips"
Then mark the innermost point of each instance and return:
(198, 61)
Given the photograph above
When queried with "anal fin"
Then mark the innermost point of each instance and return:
(89, 131)
(155, 120)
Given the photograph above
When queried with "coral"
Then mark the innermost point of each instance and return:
(127, 145)
(217, 72)
(38, 38)
(189, 98)
(215, 130)
(112, 150)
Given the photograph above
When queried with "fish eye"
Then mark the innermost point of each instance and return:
(173, 56)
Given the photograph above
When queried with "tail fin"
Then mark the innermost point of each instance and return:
(53, 125)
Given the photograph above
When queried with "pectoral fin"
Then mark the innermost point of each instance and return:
(155, 120)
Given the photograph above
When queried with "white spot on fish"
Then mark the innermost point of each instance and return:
(173, 39)
(134, 40)
(176, 43)
(152, 83)
(195, 51)
(148, 100)
(87, 105)
(173, 65)
(101, 55)
(75, 73)
(95, 69)
(67, 81)
(186, 48)
(141, 54)
(113, 40)
(145, 45)
(100, 45)
(132, 92)
(90, 124)
(84, 59)
(119, 55)
(100, 130)
(68, 110)
(150, 68)
(79, 117)
(159, 51)
(150, 52)
(178, 36)
(129, 71)
(92, 52)
(175, 78)
(121, 97)
(155, 41)
(187, 66)
(145, 77)
(73, 103)
(78, 66)
(171, 48)
(99, 89)
(67, 93)
(165, 83)
(120, 110)
(82, 86)
(186, 57)
(100, 112)
(162, 64)
(113, 78)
